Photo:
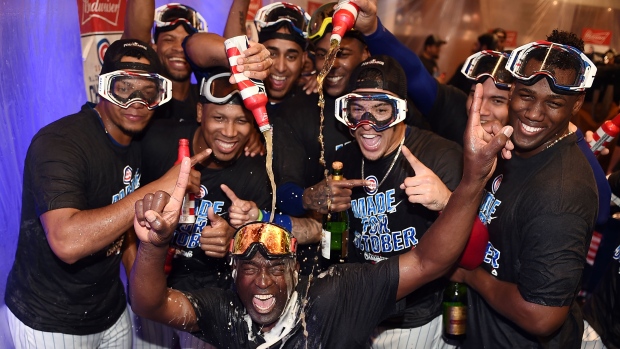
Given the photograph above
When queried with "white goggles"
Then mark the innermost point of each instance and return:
(279, 12)
(488, 63)
(217, 88)
(123, 88)
(567, 67)
(174, 13)
(380, 111)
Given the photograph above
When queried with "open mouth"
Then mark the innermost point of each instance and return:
(530, 129)
(370, 141)
(225, 147)
(264, 303)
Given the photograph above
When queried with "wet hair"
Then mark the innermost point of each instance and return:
(566, 38)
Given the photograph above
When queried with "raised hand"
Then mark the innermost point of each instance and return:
(241, 211)
(338, 192)
(158, 214)
(215, 237)
(481, 144)
(254, 62)
(425, 187)
(366, 21)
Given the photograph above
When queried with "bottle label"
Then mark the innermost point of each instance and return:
(455, 320)
(326, 239)
(188, 215)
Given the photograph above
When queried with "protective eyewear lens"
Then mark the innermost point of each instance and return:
(171, 14)
(320, 20)
(217, 88)
(274, 240)
(568, 68)
(124, 88)
(380, 111)
(491, 64)
(279, 12)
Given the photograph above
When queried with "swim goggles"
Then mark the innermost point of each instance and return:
(272, 240)
(556, 61)
(491, 64)
(380, 116)
(123, 88)
(274, 15)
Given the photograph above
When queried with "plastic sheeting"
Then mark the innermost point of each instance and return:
(41, 81)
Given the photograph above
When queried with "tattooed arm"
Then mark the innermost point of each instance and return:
(235, 24)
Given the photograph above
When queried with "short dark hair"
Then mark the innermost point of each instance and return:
(566, 38)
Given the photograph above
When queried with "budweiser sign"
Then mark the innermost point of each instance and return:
(596, 36)
(105, 10)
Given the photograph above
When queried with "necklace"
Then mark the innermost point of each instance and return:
(391, 165)
(559, 139)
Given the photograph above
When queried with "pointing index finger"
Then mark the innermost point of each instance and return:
(197, 158)
(416, 164)
(181, 186)
(231, 194)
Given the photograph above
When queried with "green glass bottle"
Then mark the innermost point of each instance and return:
(336, 228)
(454, 312)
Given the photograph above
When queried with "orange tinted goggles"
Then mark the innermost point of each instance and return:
(273, 240)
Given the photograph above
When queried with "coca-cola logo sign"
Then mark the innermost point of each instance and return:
(105, 10)
(596, 36)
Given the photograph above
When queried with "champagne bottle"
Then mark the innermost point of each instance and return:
(454, 312)
(336, 228)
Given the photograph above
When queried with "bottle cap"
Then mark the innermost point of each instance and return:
(337, 165)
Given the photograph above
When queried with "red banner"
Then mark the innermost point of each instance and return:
(101, 22)
(596, 36)
(255, 5)
(313, 6)
(511, 39)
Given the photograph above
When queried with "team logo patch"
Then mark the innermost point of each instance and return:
(127, 174)
(617, 253)
(372, 188)
(102, 46)
(203, 192)
(496, 183)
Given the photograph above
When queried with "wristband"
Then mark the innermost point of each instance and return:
(282, 220)
(260, 216)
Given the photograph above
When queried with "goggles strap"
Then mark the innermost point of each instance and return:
(265, 35)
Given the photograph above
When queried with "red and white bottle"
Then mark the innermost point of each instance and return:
(605, 134)
(343, 19)
(252, 90)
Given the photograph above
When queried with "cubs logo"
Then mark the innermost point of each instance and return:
(496, 183)
(102, 46)
(203, 192)
(127, 174)
(372, 188)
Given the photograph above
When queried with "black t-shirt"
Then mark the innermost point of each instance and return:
(602, 310)
(183, 111)
(71, 163)
(384, 224)
(344, 306)
(246, 176)
(540, 213)
(448, 117)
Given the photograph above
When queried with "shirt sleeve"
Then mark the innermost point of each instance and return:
(59, 172)
(421, 86)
